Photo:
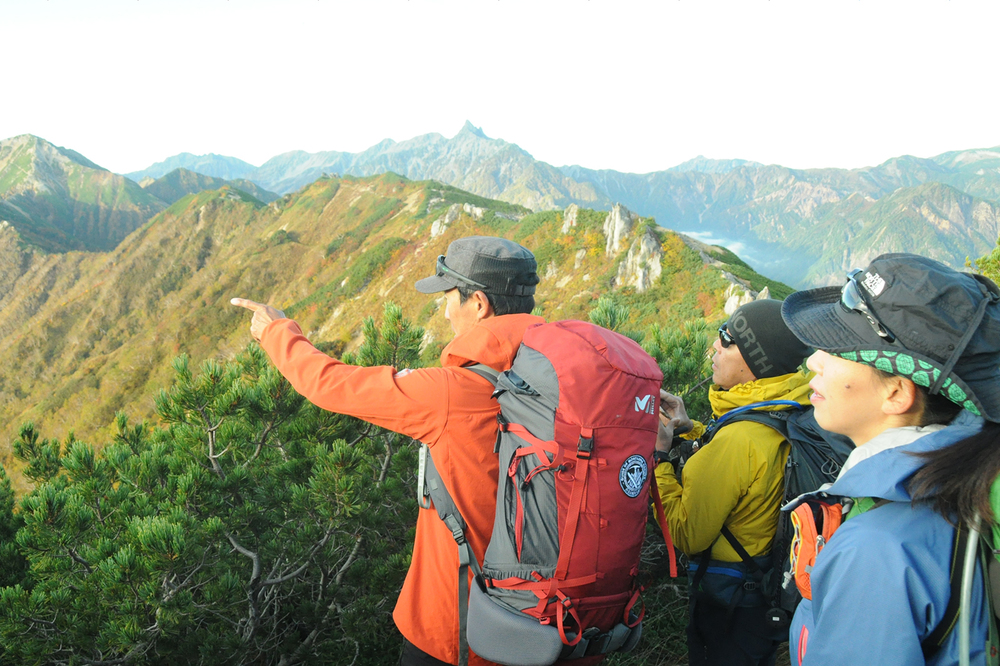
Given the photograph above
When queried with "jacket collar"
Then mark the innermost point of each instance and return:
(493, 341)
(793, 386)
(886, 474)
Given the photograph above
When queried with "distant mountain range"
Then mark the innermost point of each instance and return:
(181, 182)
(803, 226)
(217, 166)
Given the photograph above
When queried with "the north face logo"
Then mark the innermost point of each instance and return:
(644, 404)
(875, 284)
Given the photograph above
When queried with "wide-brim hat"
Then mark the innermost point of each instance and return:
(945, 324)
(492, 265)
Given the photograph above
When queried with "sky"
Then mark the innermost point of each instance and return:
(629, 85)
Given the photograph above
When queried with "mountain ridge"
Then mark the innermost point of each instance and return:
(181, 182)
(742, 203)
(86, 334)
(59, 200)
(211, 164)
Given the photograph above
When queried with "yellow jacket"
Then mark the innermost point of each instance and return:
(736, 480)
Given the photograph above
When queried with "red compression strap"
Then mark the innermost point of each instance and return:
(573, 510)
(538, 446)
(630, 605)
(560, 620)
(543, 586)
(661, 518)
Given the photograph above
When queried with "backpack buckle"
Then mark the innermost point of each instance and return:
(501, 429)
(586, 445)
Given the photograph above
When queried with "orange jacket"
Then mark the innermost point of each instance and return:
(448, 408)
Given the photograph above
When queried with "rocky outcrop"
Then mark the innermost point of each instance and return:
(617, 225)
(738, 294)
(569, 218)
(442, 223)
(642, 265)
(475, 211)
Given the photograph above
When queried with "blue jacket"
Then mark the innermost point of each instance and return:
(881, 585)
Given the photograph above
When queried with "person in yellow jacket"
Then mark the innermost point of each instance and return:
(736, 481)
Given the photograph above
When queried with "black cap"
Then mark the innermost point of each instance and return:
(764, 341)
(929, 323)
(492, 265)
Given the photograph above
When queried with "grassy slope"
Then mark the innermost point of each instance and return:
(86, 334)
(61, 201)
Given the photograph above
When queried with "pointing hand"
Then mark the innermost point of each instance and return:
(262, 315)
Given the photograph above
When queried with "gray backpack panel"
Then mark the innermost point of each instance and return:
(490, 624)
(528, 394)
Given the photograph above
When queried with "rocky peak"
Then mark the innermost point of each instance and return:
(569, 217)
(643, 263)
(469, 128)
(617, 225)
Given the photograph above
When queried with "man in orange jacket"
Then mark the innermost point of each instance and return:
(489, 286)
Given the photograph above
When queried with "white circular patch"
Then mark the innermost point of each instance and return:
(633, 475)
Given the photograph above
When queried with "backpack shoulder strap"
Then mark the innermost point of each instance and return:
(934, 640)
(776, 419)
(484, 371)
(429, 483)
(742, 552)
(448, 511)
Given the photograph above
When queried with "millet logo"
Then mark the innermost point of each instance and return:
(644, 404)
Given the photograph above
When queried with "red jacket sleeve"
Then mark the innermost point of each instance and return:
(413, 403)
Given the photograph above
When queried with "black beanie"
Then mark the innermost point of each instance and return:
(764, 341)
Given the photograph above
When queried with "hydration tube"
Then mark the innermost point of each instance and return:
(758, 405)
(965, 604)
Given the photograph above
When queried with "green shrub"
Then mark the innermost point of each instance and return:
(252, 528)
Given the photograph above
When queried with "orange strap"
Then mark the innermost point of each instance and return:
(636, 597)
(567, 605)
(575, 506)
(661, 518)
(538, 446)
(542, 587)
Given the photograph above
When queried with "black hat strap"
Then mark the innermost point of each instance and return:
(963, 343)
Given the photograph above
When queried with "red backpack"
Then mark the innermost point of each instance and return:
(578, 422)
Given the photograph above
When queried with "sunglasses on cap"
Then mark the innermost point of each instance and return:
(725, 337)
(443, 270)
(853, 299)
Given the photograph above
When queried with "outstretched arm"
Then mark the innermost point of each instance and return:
(407, 403)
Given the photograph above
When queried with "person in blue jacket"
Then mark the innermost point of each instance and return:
(908, 366)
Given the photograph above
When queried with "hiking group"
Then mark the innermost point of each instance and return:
(846, 506)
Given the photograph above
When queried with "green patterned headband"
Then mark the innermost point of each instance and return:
(920, 372)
